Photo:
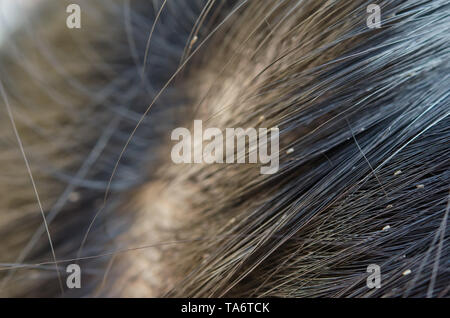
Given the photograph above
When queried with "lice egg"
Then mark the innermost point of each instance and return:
(407, 272)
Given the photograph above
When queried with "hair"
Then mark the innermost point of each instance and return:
(364, 149)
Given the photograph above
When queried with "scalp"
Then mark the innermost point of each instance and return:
(365, 112)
